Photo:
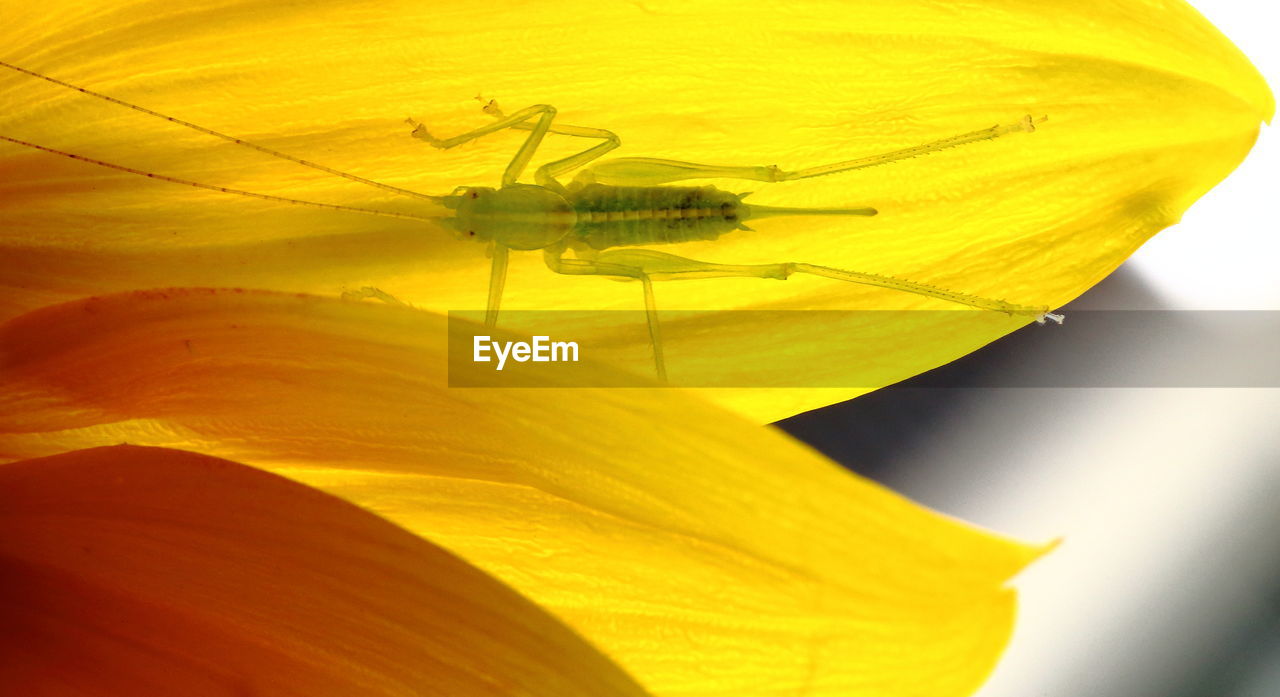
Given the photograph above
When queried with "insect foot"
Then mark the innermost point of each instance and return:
(491, 108)
(421, 133)
(1027, 124)
(374, 294)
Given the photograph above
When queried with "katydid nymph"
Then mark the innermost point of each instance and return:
(610, 213)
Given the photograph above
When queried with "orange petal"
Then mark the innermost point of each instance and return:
(707, 555)
(144, 571)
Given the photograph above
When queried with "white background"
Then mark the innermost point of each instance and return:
(1224, 253)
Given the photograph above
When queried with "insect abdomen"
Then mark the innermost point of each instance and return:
(623, 216)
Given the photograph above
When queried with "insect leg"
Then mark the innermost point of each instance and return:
(651, 171)
(497, 281)
(546, 174)
(588, 267)
(544, 114)
(648, 171)
(661, 266)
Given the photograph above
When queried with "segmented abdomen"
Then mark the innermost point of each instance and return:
(628, 216)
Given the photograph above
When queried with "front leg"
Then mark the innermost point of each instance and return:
(546, 174)
(524, 120)
(544, 113)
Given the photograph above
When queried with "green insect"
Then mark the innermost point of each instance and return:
(609, 212)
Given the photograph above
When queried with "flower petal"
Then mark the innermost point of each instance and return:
(706, 555)
(145, 571)
(1149, 107)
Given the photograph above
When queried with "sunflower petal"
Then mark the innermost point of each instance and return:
(1148, 105)
(144, 571)
(706, 555)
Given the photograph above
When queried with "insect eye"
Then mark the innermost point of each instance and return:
(475, 194)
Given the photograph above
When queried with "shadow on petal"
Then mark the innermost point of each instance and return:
(145, 571)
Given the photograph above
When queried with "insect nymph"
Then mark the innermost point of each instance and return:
(611, 210)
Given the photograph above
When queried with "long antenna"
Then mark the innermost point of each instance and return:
(222, 189)
(233, 139)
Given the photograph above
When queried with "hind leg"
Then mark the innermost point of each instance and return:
(589, 267)
(661, 266)
(648, 171)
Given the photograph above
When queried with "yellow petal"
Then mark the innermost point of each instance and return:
(1148, 108)
(142, 571)
(706, 555)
